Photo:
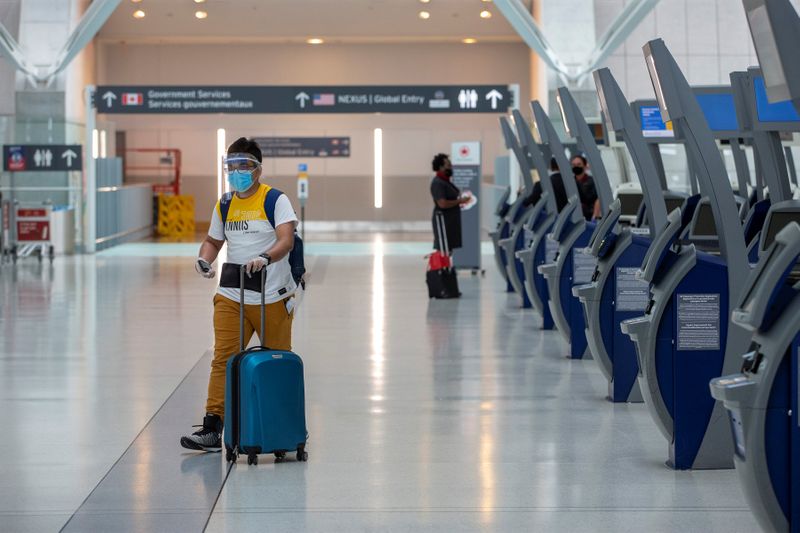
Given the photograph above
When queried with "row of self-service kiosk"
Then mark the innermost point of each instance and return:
(689, 303)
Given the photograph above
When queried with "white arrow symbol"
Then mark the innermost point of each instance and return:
(302, 98)
(109, 97)
(69, 155)
(494, 95)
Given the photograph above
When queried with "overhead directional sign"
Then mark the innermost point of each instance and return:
(304, 146)
(306, 99)
(42, 157)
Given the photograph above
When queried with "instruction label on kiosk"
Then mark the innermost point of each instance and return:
(632, 294)
(582, 267)
(698, 322)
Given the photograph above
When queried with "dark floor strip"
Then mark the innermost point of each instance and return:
(219, 493)
(156, 485)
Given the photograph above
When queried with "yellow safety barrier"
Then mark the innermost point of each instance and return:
(175, 216)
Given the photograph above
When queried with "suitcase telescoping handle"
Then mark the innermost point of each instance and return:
(242, 340)
(442, 234)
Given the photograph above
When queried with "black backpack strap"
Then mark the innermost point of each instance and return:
(224, 207)
(270, 200)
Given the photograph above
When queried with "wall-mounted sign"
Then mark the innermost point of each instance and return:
(42, 157)
(304, 99)
(304, 147)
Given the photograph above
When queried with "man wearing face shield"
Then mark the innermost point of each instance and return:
(258, 223)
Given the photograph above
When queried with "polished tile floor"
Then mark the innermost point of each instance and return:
(424, 415)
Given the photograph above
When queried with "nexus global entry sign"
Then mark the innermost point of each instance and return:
(135, 99)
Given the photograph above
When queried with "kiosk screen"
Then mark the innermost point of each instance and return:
(719, 110)
(704, 225)
(779, 112)
(777, 221)
(652, 125)
(629, 203)
(673, 203)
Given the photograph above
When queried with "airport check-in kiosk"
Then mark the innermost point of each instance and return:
(766, 122)
(685, 339)
(500, 212)
(572, 232)
(762, 400)
(522, 235)
(577, 128)
(614, 294)
(655, 132)
(630, 198)
(513, 220)
(721, 113)
(515, 268)
(540, 250)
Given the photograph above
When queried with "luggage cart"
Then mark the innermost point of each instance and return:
(33, 235)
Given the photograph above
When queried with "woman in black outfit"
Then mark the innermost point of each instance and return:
(447, 200)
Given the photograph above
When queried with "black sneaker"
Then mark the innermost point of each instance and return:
(208, 438)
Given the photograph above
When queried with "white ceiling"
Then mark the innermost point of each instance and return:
(296, 20)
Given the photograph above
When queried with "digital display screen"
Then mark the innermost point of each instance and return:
(767, 112)
(598, 132)
(777, 221)
(719, 110)
(652, 125)
(673, 204)
(629, 203)
(704, 225)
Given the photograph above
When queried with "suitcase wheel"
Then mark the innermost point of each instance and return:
(252, 459)
(302, 454)
(279, 456)
(230, 456)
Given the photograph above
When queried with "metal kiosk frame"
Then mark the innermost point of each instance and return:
(572, 232)
(620, 252)
(685, 339)
(517, 217)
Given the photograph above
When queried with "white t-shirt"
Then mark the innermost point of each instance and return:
(249, 234)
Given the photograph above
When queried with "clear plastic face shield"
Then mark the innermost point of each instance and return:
(239, 169)
(241, 163)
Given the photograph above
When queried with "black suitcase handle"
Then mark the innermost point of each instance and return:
(236, 410)
(242, 272)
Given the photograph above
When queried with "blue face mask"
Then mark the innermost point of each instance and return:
(240, 180)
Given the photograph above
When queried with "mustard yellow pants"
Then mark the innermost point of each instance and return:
(226, 340)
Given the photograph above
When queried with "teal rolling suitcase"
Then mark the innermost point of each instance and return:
(264, 398)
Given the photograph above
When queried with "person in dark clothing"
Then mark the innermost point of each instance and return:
(590, 202)
(558, 188)
(447, 200)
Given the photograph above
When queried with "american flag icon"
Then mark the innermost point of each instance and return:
(132, 98)
(324, 99)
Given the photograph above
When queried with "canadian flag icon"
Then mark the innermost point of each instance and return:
(132, 98)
